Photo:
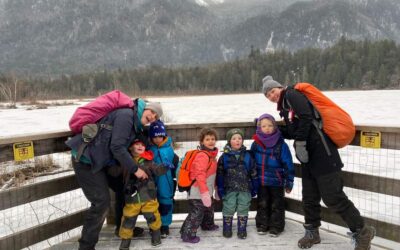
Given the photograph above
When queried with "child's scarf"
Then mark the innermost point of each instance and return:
(269, 140)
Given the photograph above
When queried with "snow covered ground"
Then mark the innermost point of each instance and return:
(379, 108)
(214, 240)
(375, 107)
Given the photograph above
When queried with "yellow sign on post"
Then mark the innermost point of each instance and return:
(370, 139)
(23, 151)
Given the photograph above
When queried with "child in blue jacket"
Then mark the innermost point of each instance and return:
(237, 182)
(161, 146)
(276, 174)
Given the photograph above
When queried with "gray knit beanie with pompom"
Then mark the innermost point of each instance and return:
(269, 83)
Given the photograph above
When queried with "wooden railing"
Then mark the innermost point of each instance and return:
(50, 143)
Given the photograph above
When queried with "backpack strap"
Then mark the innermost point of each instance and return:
(316, 122)
(209, 162)
(89, 137)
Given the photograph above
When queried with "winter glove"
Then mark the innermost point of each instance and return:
(169, 165)
(289, 185)
(206, 199)
(254, 187)
(301, 151)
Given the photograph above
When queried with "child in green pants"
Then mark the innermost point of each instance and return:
(237, 182)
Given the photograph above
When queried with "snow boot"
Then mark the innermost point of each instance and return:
(156, 237)
(262, 230)
(274, 232)
(242, 224)
(363, 237)
(227, 226)
(125, 243)
(190, 238)
(164, 231)
(310, 238)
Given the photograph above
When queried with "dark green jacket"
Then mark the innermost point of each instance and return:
(138, 191)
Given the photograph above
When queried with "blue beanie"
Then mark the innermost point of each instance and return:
(157, 129)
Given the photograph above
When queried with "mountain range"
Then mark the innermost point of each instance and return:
(47, 37)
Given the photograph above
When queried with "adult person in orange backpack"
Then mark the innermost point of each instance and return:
(118, 130)
(321, 177)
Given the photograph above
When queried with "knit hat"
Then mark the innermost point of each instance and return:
(138, 140)
(155, 107)
(157, 128)
(233, 132)
(269, 117)
(269, 83)
(268, 140)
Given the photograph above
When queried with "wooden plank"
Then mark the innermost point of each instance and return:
(389, 139)
(54, 142)
(383, 229)
(42, 232)
(377, 184)
(372, 183)
(41, 147)
(34, 137)
(25, 194)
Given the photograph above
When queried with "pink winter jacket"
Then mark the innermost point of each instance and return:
(205, 179)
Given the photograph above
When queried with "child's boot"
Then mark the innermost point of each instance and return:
(310, 238)
(190, 238)
(227, 226)
(156, 237)
(125, 243)
(242, 224)
(164, 231)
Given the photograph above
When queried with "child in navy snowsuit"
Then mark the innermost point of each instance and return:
(276, 174)
(237, 182)
(161, 146)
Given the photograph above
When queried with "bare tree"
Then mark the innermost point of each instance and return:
(9, 90)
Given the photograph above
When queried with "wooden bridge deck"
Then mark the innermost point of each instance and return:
(214, 240)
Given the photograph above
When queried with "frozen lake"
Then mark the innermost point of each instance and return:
(374, 107)
(380, 108)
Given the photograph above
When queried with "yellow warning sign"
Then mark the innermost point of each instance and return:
(370, 139)
(23, 151)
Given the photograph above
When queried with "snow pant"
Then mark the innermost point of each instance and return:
(149, 209)
(271, 208)
(236, 202)
(198, 215)
(165, 196)
(330, 188)
(165, 208)
(95, 189)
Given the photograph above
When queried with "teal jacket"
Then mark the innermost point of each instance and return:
(164, 156)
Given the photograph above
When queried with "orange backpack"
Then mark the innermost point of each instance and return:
(336, 122)
(183, 169)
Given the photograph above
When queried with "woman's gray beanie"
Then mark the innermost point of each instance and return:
(156, 107)
(269, 83)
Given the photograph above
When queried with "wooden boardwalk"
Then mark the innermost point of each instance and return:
(214, 240)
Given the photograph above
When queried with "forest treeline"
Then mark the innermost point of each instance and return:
(346, 65)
